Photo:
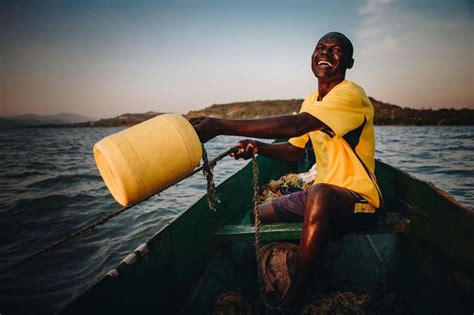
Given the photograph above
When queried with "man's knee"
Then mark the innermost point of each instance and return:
(329, 201)
(266, 212)
(322, 195)
(318, 203)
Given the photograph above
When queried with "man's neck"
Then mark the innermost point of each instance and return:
(326, 85)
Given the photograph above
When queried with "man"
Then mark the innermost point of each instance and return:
(338, 119)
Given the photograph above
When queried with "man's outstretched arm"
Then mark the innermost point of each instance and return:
(285, 126)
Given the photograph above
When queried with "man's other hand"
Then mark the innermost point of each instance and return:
(245, 149)
(205, 127)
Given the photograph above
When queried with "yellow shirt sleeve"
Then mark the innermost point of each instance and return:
(340, 110)
(301, 141)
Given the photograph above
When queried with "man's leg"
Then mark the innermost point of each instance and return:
(267, 213)
(287, 208)
(324, 203)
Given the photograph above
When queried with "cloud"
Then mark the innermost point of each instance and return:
(411, 55)
(372, 5)
(385, 26)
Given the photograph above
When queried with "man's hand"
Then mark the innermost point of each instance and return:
(205, 127)
(245, 149)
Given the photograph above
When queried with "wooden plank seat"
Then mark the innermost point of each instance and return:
(292, 231)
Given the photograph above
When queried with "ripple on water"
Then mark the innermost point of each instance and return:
(59, 180)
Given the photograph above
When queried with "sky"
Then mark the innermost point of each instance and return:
(105, 58)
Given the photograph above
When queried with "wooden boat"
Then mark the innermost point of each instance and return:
(425, 254)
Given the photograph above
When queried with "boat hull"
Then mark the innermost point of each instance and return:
(184, 268)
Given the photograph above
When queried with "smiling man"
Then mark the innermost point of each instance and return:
(338, 120)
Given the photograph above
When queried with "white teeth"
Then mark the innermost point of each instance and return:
(322, 62)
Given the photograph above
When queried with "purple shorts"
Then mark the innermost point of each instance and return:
(291, 207)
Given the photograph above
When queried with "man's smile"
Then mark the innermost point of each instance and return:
(324, 64)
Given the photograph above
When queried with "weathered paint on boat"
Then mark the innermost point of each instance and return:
(183, 268)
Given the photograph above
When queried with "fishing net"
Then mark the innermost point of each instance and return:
(232, 303)
(342, 303)
(278, 262)
(287, 184)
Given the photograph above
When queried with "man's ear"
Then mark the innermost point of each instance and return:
(350, 63)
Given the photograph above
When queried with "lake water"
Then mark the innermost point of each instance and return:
(49, 186)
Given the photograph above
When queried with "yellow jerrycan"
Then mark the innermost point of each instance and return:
(144, 159)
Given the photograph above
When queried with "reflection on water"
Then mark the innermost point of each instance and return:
(49, 186)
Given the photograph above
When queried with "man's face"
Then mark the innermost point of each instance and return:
(330, 58)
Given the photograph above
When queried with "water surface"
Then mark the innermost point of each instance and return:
(49, 186)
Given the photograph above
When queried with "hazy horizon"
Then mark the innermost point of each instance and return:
(104, 58)
(203, 107)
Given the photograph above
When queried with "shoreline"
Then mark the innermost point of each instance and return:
(67, 126)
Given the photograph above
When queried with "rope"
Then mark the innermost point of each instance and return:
(258, 253)
(107, 217)
(257, 223)
(207, 170)
(256, 215)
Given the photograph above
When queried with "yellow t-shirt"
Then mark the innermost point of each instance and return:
(345, 151)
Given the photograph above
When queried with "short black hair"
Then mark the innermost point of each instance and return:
(347, 42)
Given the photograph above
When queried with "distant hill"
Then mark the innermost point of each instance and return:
(248, 110)
(37, 120)
(388, 114)
(385, 114)
(124, 120)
